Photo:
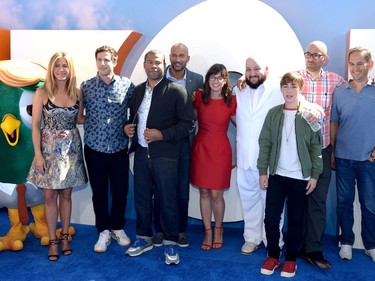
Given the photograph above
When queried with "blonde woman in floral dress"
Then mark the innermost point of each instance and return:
(58, 161)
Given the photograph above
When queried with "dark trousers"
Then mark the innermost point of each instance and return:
(155, 176)
(108, 171)
(183, 188)
(280, 189)
(315, 207)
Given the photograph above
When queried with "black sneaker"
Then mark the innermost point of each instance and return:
(158, 239)
(183, 241)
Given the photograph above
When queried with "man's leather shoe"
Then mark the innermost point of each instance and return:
(316, 258)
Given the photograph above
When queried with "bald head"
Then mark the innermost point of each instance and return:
(179, 57)
(181, 47)
(319, 45)
(315, 57)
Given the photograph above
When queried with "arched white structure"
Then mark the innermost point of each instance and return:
(228, 32)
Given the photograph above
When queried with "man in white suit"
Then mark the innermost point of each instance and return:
(253, 102)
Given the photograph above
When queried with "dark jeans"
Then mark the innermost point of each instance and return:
(108, 170)
(183, 188)
(315, 207)
(279, 189)
(155, 176)
(348, 172)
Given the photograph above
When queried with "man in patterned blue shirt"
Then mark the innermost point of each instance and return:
(106, 98)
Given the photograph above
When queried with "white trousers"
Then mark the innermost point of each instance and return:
(253, 200)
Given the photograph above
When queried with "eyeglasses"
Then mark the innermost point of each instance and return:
(315, 56)
(219, 79)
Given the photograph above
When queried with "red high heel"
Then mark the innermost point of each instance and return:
(218, 232)
(206, 246)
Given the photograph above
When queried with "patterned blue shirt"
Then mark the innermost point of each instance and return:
(106, 113)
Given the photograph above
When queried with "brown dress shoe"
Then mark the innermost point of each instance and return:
(316, 258)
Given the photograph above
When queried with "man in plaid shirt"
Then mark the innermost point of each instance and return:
(318, 87)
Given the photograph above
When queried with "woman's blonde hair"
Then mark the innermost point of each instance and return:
(50, 85)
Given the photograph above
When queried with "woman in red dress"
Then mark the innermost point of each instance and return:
(211, 152)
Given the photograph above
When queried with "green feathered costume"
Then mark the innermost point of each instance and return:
(18, 82)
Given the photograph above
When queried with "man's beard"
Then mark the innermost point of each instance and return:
(257, 84)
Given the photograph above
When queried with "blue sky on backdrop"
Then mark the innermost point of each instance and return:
(145, 16)
(323, 20)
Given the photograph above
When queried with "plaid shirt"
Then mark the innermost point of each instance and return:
(320, 91)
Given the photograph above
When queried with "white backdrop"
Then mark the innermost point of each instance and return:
(214, 32)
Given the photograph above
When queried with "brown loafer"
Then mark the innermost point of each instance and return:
(316, 258)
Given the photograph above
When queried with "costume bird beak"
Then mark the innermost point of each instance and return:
(11, 129)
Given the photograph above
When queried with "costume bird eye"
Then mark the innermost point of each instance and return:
(26, 101)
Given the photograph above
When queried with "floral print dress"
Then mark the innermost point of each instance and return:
(61, 149)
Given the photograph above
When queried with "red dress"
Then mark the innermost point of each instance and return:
(211, 152)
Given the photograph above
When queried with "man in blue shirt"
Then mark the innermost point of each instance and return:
(106, 98)
(353, 139)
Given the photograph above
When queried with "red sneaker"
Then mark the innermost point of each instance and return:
(269, 266)
(289, 269)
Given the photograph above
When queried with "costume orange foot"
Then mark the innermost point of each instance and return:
(16, 235)
(39, 227)
(9, 243)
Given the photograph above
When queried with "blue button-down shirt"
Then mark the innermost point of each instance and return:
(106, 113)
(182, 82)
(354, 112)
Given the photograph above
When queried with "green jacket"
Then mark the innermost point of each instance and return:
(309, 144)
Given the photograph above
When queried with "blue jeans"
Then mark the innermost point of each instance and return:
(183, 189)
(348, 172)
(155, 177)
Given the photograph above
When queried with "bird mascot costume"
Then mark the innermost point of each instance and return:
(18, 82)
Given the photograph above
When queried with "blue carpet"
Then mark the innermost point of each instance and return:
(225, 264)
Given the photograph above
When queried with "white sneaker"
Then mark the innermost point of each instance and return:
(249, 248)
(346, 252)
(371, 253)
(121, 237)
(103, 241)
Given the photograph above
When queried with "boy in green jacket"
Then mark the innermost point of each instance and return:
(291, 151)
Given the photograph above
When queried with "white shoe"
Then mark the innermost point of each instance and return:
(249, 248)
(346, 252)
(371, 253)
(121, 237)
(103, 241)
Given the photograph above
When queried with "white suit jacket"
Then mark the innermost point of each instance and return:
(249, 121)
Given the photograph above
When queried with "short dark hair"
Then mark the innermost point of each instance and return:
(292, 77)
(105, 48)
(364, 52)
(155, 52)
